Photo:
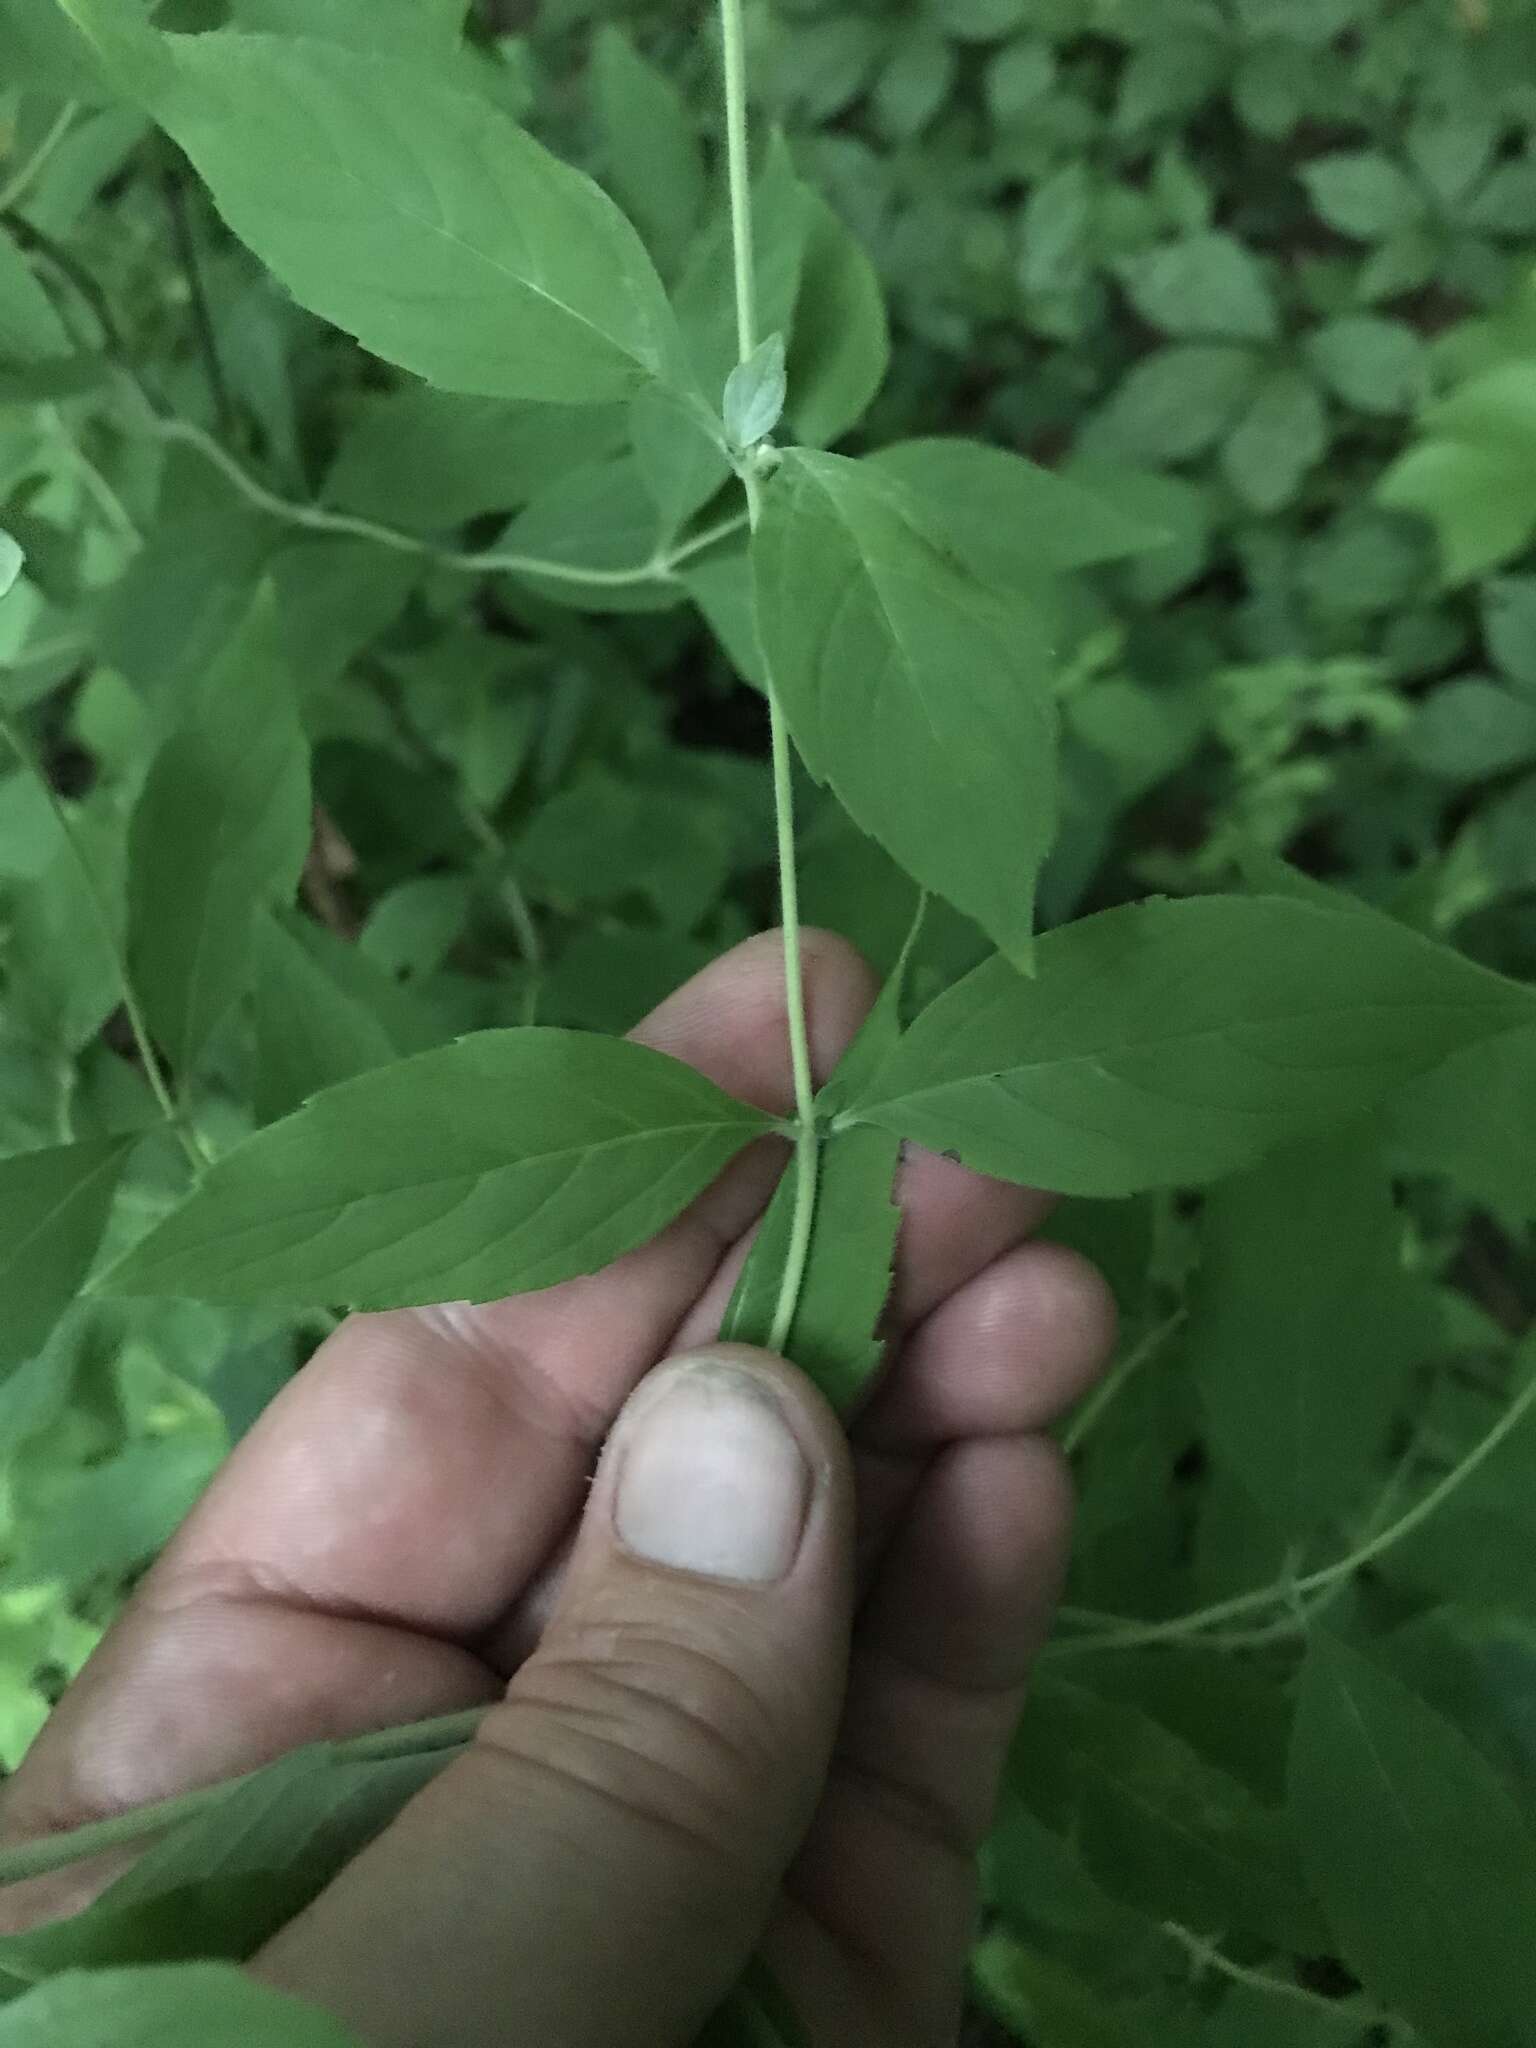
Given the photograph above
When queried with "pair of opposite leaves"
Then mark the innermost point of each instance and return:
(1158, 1044)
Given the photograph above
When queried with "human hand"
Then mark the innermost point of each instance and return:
(760, 1688)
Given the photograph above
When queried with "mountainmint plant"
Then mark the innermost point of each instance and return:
(902, 610)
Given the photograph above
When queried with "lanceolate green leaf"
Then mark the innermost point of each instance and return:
(53, 1209)
(415, 214)
(30, 330)
(40, 48)
(508, 1160)
(847, 1275)
(916, 693)
(211, 2004)
(1423, 1861)
(1168, 1042)
(1305, 1326)
(650, 146)
(221, 827)
(1008, 519)
(1472, 1119)
(842, 343)
(417, 28)
(1157, 1824)
(310, 1031)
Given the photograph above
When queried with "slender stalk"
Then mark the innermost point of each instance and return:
(1090, 1414)
(151, 418)
(509, 890)
(1109, 1632)
(56, 1852)
(513, 900)
(658, 568)
(108, 502)
(20, 183)
(807, 1141)
(184, 236)
(739, 170)
(1206, 1955)
(148, 1058)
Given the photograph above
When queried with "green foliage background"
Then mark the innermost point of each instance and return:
(1262, 270)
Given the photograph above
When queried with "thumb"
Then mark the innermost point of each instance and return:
(600, 1864)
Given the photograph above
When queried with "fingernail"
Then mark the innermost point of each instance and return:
(712, 1479)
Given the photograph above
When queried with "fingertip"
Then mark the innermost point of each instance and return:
(1009, 1351)
(968, 1589)
(1079, 1317)
(731, 1020)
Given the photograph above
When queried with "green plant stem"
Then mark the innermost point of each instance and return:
(1091, 1413)
(659, 568)
(110, 504)
(510, 892)
(513, 900)
(1105, 1632)
(807, 1141)
(184, 236)
(151, 418)
(1206, 1955)
(148, 1057)
(20, 183)
(807, 1138)
(739, 171)
(56, 1852)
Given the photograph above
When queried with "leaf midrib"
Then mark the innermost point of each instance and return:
(649, 1133)
(1102, 1054)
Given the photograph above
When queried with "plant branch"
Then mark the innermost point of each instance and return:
(152, 418)
(21, 180)
(1206, 1955)
(739, 171)
(56, 1852)
(149, 1059)
(1125, 1369)
(658, 568)
(1110, 1632)
(106, 498)
(807, 1138)
(509, 889)
(185, 239)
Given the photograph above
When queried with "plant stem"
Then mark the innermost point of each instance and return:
(660, 568)
(1206, 1955)
(19, 184)
(807, 1141)
(153, 419)
(56, 1852)
(513, 901)
(1109, 1632)
(734, 39)
(148, 1058)
(1125, 1369)
(509, 889)
(108, 502)
(184, 237)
